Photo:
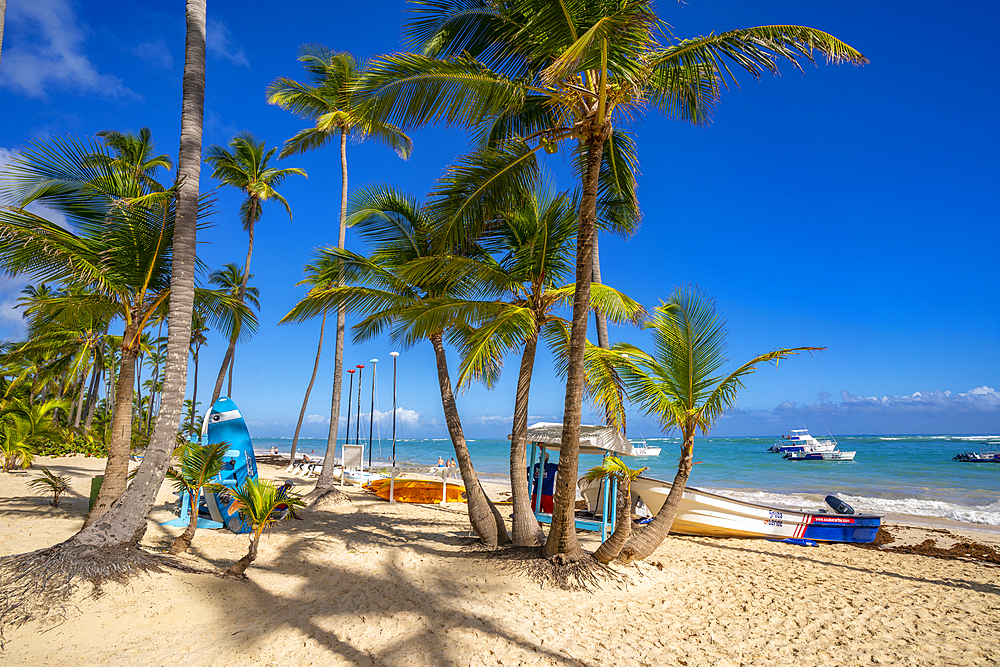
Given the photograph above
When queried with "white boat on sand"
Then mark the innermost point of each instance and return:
(710, 514)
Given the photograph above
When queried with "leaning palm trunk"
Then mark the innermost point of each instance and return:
(645, 540)
(526, 529)
(120, 447)
(485, 518)
(612, 546)
(305, 401)
(107, 548)
(562, 542)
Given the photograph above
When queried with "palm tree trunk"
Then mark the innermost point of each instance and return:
(612, 546)
(97, 550)
(231, 350)
(527, 531)
(3, 13)
(601, 321)
(91, 405)
(79, 401)
(485, 518)
(183, 541)
(239, 567)
(120, 447)
(194, 389)
(562, 543)
(305, 401)
(647, 538)
(229, 384)
(325, 483)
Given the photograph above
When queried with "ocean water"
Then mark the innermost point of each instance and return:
(904, 474)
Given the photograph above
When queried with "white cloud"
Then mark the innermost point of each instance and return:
(221, 44)
(317, 419)
(492, 419)
(974, 411)
(155, 53)
(403, 416)
(44, 49)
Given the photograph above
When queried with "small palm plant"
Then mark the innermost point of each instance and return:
(613, 467)
(262, 504)
(49, 483)
(15, 449)
(198, 464)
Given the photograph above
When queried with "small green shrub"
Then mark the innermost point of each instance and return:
(14, 452)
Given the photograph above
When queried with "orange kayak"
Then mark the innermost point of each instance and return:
(417, 491)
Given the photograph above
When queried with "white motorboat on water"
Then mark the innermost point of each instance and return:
(645, 450)
(799, 440)
(835, 455)
(710, 514)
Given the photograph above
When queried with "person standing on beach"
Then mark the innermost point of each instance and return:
(440, 462)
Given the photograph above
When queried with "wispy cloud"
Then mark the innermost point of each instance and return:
(156, 53)
(11, 320)
(220, 43)
(44, 49)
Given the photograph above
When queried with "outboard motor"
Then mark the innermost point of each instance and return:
(838, 505)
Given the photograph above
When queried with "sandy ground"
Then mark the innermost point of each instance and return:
(381, 584)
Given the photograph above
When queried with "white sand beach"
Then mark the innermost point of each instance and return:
(394, 584)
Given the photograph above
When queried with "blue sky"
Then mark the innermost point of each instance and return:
(844, 207)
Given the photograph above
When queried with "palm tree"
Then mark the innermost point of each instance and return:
(116, 263)
(537, 72)
(229, 279)
(261, 504)
(316, 276)
(245, 166)
(198, 464)
(329, 102)
(108, 547)
(613, 467)
(527, 287)
(682, 386)
(404, 233)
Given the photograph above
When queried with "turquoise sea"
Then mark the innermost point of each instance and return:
(906, 474)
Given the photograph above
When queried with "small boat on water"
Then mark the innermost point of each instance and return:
(712, 515)
(991, 455)
(799, 440)
(645, 450)
(835, 455)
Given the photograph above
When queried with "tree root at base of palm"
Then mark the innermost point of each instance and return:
(582, 575)
(326, 499)
(37, 585)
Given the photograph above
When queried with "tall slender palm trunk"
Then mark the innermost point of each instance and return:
(120, 447)
(562, 542)
(485, 518)
(231, 350)
(194, 388)
(325, 483)
(305, 401)
(647, 538)
(526, 529)
(600, 320)
(3, 14)
(107, 547)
